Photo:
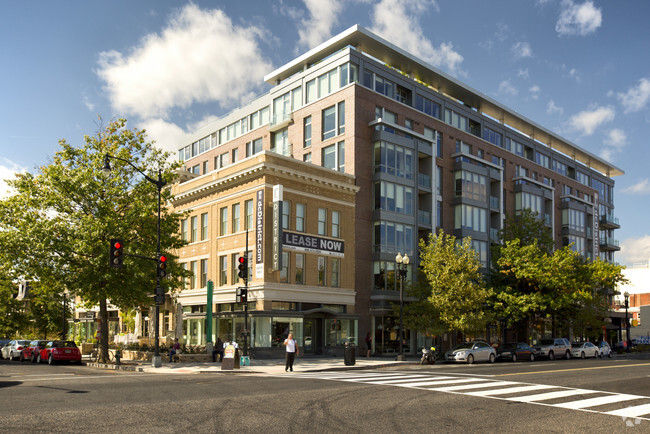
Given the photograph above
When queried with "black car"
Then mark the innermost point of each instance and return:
(3, 342)
(517, 351)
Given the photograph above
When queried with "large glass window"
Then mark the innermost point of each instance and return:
(471, 185)
(525, 200)
(492, 136)
(333, 121)
(333, 156)
(574, 219)
(394, 197)
(456, 120)
(384, 275)
(427, 106)
(481, 249)
(254, 147)
(286, 214)
(393, 159)
(471, 218)
(393, 237)
(281, 142)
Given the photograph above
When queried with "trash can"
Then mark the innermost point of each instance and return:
(350, 354)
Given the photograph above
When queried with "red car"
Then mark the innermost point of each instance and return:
(55, 351)
(30, 352)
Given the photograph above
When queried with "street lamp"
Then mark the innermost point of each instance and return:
(402, 263)
(159, 183)
(627, 322)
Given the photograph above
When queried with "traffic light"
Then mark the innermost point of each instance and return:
(243, 267)
(162, 266)
(244, 295)
(241, 294)
(117, 252)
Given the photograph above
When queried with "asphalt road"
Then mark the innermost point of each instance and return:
(82, 399)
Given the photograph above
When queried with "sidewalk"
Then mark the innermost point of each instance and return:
(265, 366)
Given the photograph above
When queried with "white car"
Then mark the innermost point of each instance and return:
(470, 352)
(604, 350)
(584, 349)
(13, 349)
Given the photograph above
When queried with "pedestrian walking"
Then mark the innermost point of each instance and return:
(368, 344)
(292, 349)
(174, 349)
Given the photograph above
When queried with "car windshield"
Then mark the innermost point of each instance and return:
(578, 344)
(64, 344)
(547, 342)
(508, 346)
(464, 346)
(22, 342)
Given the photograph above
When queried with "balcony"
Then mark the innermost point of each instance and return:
(609, 244)
(424, 218)
(280, 120)
(424, 181)
(494, 235)
(608, 221)
(494, 203)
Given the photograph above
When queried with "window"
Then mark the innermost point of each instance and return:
(322, 221)
(248, 209)
(223, 267)
(471, 218)
(193, 228)
(234, 260)
(439, 180)
(439, 213)
(300, 217)
(336, 272)
(393, 197)
(463, 147)
(480, 247)
(284, 271)
(393, 159)
(300, 268)
(296, 98)
(204, 226)
(560, 168)
(393, 237)
(235, 155)
(574, 219)
(582, 178)
(236, 217)
(322, 270)
(205, 167)
(222, 160)
(204, 273)
(333, 121)
(184, 230)
(307, 157)
(427, 106)
(456, 120)
(223, 212)
(524, 200)
(286, 214)
(194, 274)
(492, 136)
(281, 142)
(307, 131)
(336, 224)
(543, 160)
(312, 91)
(333, 156)
(403, 95)
(471, 185)
(196, 169)
(281, 108)
(386, 116)
(254, 147)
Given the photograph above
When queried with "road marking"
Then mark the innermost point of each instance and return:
(508, 390)
(601, 400)
(472, 386)
(573, 369)
(418, 378)
(636, 411)
(552, 395)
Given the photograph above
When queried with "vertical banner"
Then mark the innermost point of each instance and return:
(259, 235)
(208, 316)
(276, 251)
(596, 228)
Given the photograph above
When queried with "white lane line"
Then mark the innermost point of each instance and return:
(510, 390)
(473, 386)
(438, 382)
(385, 379)
(635, 411)
(592, 402)
(552, 395)
(407, 380)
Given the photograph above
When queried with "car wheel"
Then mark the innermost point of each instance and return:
(514, 357)
(551, 356)
(582, 355)
(596, 355)
(11, 356)
(568, 355)
(493, 358)
(470, 359)
(22, 357)
(532, 357)
(50, 360)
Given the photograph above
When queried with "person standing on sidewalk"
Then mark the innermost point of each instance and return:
(174, 349)
(292, 349)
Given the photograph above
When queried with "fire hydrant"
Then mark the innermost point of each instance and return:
(118, 354)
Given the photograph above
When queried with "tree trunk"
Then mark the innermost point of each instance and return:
(103, 332)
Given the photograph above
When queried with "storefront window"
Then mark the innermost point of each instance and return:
(282, 326)
(340, 331)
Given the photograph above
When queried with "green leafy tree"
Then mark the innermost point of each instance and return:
(419, 313)
(458, 292)
(45, 311)
(527, 227)
(61, 219)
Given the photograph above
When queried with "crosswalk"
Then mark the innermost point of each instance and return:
(595, 401)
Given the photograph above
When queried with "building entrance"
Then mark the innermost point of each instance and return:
(313, 336)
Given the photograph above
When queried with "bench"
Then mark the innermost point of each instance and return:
(187, 358)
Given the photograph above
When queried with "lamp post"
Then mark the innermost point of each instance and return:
(159, 183)
(627, 323)
(402, 263)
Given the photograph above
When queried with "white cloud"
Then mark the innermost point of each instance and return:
(552, 108)
(637, 97)
(587, 121)
(506, 88)
(201, 56)
(614, 143)
(397, 21)
(522, 50)
(523, 73)
(534, 91)
(578, 19)
(634, 250)
(318, 28)
(8, 170)
(641, 187)
(166, 135)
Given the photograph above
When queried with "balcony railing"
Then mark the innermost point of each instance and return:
(424, 218)
(424, 180)
(494, 235)
(280, 120)
(494, 202)
(609, 220)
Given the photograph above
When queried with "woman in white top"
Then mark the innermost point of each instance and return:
(292, 349)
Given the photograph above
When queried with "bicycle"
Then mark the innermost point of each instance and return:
(96, 354)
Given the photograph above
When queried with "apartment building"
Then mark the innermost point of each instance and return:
(360, 131)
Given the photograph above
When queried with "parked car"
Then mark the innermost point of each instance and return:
(553, 348)
(30, 352)
(56, 351)
(13, 349)
(516, 351)
(470, 352)
(604, 350)
(3, 342)
(584, 349)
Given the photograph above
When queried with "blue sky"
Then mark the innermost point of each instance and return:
(578, 67)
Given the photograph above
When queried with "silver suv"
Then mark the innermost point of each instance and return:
(552, 348)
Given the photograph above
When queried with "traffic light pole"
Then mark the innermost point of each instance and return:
(246, 304)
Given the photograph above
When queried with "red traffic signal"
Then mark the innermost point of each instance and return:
(162, 266)
(243, 267)
(116, 253)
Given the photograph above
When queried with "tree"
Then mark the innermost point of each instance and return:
(527, 227)
(420, 314)
(61, 219)
(45, 311)
(458, 291)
